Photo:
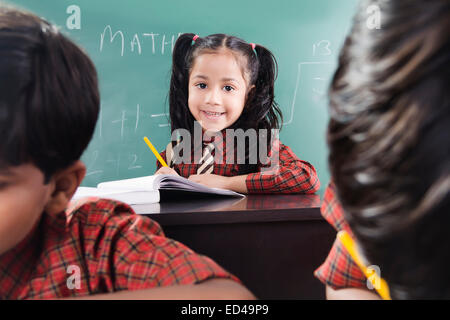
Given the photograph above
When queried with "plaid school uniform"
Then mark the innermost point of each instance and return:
(107, 246)
(338, 270)
(290, 175)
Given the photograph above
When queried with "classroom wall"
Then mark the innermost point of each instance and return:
(131, 41)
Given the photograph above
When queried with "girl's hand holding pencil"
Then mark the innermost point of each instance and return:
(166, 170)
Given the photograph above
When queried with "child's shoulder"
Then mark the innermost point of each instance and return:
(98, 213)
(332, 211)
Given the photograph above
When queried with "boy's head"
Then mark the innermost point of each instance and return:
(389, 143)
(49, 103)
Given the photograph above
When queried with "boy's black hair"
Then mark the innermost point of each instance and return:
(260, 110)
(389, 142)
(49, 98)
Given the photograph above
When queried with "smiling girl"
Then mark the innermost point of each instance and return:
(224, 83)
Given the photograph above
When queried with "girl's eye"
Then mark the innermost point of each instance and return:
(201, 86)
(228, 88)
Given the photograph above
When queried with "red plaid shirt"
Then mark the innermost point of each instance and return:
(112, 248)
(339, 270)
(290, 175)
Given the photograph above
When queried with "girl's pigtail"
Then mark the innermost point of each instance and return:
(261, 111)
(178, 93)
(269, 114)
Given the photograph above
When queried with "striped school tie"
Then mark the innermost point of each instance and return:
(207, 160)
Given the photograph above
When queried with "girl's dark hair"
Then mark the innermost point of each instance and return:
(389, 143)
(260, 110)
(49, 98)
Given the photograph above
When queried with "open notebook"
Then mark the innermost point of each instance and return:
(152, 189)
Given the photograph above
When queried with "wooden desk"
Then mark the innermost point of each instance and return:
(272, 243)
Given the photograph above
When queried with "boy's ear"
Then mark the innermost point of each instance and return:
(65, 184)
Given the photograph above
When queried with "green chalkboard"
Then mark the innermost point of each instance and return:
(131, 41)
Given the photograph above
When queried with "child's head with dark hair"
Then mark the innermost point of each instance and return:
(49, 103)
(222, 82)
(389, 143)
(49, 97)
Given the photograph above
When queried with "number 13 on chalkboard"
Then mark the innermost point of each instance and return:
(322, 48)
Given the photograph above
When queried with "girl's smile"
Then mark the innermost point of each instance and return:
(211, 115)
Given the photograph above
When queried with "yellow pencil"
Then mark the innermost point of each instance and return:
(349, 244)
(156, 153)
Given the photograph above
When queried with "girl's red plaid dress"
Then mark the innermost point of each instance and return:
(289, 175)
